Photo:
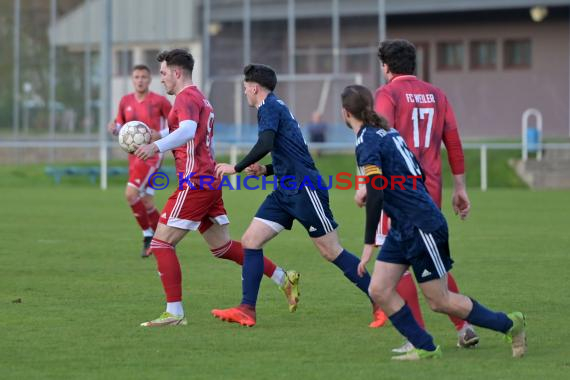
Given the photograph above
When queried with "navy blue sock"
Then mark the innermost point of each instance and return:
(251, 274)
(348, 264)
(404, 322)
(483, 317)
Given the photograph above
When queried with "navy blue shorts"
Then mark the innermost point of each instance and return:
(427, 253)
(309, 207)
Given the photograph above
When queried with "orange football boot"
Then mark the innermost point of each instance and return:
(240, 314)
(380, 318)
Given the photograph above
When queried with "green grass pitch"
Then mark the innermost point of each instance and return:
(70, 254)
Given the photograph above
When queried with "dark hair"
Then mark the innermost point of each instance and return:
(140, 67)
(261, 74)
(399, 55)
(358, 100)
(177, 57)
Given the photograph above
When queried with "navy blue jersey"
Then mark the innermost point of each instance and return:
(290, 156)
(407, 207)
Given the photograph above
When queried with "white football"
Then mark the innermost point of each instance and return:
(133, 134)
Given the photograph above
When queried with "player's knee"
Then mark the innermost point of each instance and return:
(131, 198)
(328, 254)
(250, 241)
(329, 250)
(438, 304)
(131, 195)
(378, 293)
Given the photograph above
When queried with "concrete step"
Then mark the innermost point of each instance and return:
(544, 174)
(547, 180)
(557, 154)
(548, 165)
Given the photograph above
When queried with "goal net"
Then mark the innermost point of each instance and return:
(303, 93)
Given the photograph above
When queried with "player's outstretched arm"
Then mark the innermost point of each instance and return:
(259, 170)
(263, 146)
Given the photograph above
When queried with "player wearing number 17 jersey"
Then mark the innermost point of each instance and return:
(425, 119)
(194, 206)
(423, 116)
(418, 238)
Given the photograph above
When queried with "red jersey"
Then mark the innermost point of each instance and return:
(424, 118)
(195, 156)
(150, 110)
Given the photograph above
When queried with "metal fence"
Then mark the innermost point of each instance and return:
(57, 54)
(234, 149)
(69, 63)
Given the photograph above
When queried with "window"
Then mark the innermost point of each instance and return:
(450, 55)
(357, 59)
(422, 60)
(324, 60)
(124, 59)
(150, 60)
(302, 63)
(313, 60)
(483, 55)
(517, 53)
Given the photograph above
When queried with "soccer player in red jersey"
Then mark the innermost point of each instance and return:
(423, 116)
(197, 204)
(152, 109)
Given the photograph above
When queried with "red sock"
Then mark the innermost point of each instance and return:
(139, 211)
(452, 286)
(233, 251)
(407, 290)
(153, 217)
(168, 269)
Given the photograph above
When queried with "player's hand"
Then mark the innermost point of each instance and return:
(146, 151)
(365, 258)
(460, 203)
(154, 136)
(112, 128)
(223, 169)
(360, 197)
(256, 170)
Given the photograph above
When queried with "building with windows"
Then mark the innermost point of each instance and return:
(140, 30)
(494, 59)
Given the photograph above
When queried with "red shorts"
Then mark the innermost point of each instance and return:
(383, 228)
(140, 171)
(193, 210)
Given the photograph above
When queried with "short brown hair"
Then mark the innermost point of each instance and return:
(141, 67)
(177, 57)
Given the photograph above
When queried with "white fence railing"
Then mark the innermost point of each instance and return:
(234, 149)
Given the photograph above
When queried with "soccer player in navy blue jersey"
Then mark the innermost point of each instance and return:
(418, 236)
(297, 197)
